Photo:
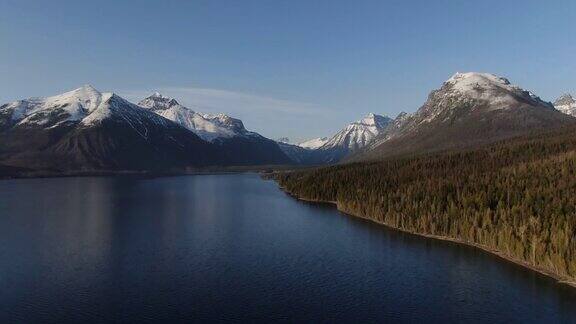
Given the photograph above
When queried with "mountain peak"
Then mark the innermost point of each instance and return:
(87, 87)
(157, 101)
(373, 119)
(157, 94)
(356, 135)
(471, 109)
(475, 90)
(314, 143)
(226, 121)
(85, 91)
(566, 104)
(209, 127)
(565, 99)
(469, 80)
(85, 97)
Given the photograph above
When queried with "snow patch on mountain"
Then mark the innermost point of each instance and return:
(466, 92)
(314, 143)
(85, 106)
(158, 102)
(114, 107)
(359, 133)
(82, 107)
(73, 105)
(461, 95)
(208, 127)
(496, 90)
(566, 104)
(101, 112)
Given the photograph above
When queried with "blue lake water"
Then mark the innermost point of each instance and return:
(236, 248)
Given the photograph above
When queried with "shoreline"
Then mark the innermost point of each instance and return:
(559, 279)
(122, 174)
(39, 174)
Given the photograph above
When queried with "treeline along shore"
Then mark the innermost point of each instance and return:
(515, 198)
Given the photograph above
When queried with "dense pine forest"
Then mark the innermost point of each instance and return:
(517, 197)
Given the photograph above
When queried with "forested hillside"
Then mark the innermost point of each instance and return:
(517, 196)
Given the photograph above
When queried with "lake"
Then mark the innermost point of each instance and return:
(236, 248)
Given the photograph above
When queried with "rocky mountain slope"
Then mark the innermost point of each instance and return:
(353, 137)
(358, 134)
(237, 145)
(85, 130)
(566, 104)
(314, 143)
(469, 109)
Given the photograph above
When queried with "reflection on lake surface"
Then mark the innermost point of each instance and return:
(234, 247)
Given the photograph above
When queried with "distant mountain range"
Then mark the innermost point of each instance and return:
(354, 137)
(235, 144)
(469, 109)
(85, 130)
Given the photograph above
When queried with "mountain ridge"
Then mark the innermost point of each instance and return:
(566, 104)
(468, 109)
(84, 129)
(238, 145)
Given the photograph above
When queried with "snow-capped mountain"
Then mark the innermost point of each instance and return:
(313, 143)
(566, 104)
(355, 136)
(208, 127)
(358, 134)
(84, 106)
(283, 140)
(475, 91)
(469, 109)
(84, 129)
(240, 146)
(468, 93)
(72, 106)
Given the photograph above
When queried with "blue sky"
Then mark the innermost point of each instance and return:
(287, 68)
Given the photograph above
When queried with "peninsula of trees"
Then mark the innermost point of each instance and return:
(516, 197)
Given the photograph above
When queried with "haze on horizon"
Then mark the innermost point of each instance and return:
(299, 69)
